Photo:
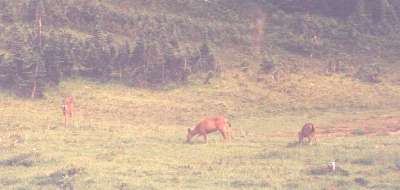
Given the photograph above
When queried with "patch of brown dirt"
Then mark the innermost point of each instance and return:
(371, 126)
(374, 126)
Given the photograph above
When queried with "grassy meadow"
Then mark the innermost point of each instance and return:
(129, 138)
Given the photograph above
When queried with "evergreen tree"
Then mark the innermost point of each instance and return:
(36, 51)
(387, 15)
(31, 10)
(16, 45)
(173, 61)
(65, 56)
(54, 58)
(7, 12)
(27, 72)
(155, 64)
(5, 70)
(99, 56)
(207, 60)
(122, 60)
(137, 66)
(359, 20)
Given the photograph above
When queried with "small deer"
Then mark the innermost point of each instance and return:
(67, 109)
(308, 131)
(209, 125)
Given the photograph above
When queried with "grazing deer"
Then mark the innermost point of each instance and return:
(209, 125)
(67, 109)
(308, 131)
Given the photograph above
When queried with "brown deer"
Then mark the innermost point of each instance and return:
(67, 109)
(308, 131)
(209, 125)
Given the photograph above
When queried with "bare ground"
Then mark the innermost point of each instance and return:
(373, 126)
(370, 126)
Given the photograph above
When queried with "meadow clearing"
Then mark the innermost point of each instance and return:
(126, 138)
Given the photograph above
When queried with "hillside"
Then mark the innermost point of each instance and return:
(156, 44)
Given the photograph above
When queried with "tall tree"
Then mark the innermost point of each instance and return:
(5, 71)
(122, 60)
(138, 61)
(37, 45)
(207, 60)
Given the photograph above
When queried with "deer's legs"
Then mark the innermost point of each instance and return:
(205, 138)
(226, 135)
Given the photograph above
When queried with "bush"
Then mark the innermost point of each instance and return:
(397, 164)
(361, 181)
(358, 132)
(369, 73)
(363, 161)
(269, 64)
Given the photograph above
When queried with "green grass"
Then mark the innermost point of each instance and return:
(125, 138)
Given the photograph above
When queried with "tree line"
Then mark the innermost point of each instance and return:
(39, 59)
(149, 61)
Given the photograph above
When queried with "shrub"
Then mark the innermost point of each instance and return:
(269, 64)
(369, 73)
(363, 161)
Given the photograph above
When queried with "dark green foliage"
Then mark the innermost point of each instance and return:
(7, 12)
(122, 60)
(358, 132)
(397, 164)
(361, 181)
(137, 65)
(364, 161)
(57, 60)
(63, 178)
(5, 70)
(249, 184)
(268, 64)
(369, 73)
(96, 38)
(155, 63)
(207, 60)
(28, 68)
(26, 160)
(318, 171)
(24, 70)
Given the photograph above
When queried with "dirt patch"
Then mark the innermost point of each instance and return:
(397, 164)
(364, 161)
(9, 181)
(376, 126)
(361, 181)
(326, 171)
(249, 184)
(62, 178)
(371, 126)
(26, 160)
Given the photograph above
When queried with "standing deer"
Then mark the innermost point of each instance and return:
(209, 125)
(308, 131)
(67, 109)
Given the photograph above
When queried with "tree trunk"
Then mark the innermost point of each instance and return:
(39, 36)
